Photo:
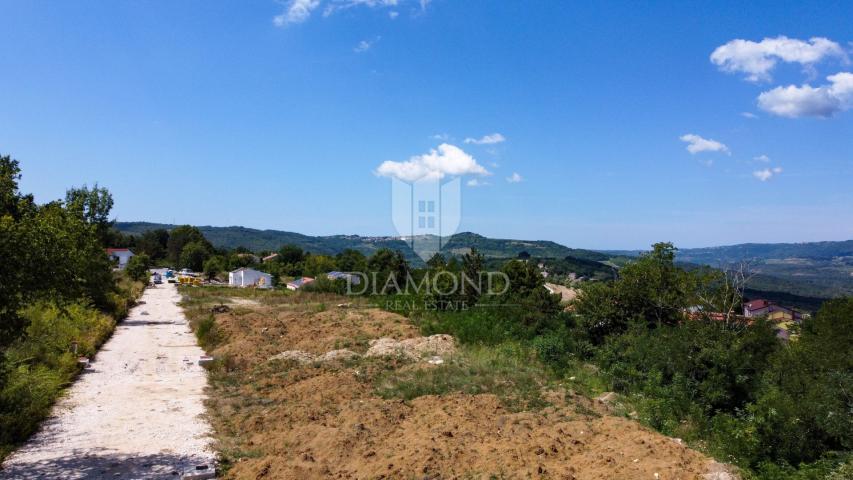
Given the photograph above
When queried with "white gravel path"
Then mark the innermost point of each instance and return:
(136, 413)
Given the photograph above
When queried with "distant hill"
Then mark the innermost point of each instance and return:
(808, 271)
(816, 269)
(261, 240)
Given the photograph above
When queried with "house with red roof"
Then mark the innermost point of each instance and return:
(120, 255)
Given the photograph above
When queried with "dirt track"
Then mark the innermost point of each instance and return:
(136, 413)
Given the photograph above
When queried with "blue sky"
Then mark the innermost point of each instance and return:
(280, 114)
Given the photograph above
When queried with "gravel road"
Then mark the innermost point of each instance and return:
(136, 413)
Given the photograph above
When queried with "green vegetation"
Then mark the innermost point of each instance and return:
(230, 238)
(510, 372)
(59, 297)
(731, 388)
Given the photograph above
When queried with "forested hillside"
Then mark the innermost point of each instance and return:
(272, 240)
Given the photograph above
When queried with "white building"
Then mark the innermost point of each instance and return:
(247, 277)
(122, 255)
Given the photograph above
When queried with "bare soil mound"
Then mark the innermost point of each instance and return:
(289, 419)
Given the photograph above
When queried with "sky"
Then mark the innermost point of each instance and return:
(603, 125)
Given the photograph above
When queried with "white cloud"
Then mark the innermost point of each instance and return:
(441, 136)
(514, 178)
(757, 59)
(487, 139)
(393, 14)
(698, 144)
(767, 173)
(748, 115)
(807, 101)
(762, 158)
(365, 45)
(447, 159)
(297, 11)
(476, 183)
(336, 5)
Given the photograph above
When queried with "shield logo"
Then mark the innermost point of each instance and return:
(426, 212)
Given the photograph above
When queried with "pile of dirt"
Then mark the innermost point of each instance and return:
(315, 419)
(413, 348)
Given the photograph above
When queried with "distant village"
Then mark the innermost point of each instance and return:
(783, 317)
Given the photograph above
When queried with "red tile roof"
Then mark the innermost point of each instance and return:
(757, 304)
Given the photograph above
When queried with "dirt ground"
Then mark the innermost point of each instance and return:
(136, 413)
(285, 419)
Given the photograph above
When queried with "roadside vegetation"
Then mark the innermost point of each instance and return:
(58, 295)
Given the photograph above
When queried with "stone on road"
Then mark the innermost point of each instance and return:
(136, 413)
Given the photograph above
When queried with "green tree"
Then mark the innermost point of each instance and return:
(437, 262)
(315, 265)
(290, 255)
(137, 267)
(154, 243)
(351, 260)
(473, 264)
(214, 266)
(179, 237)
(93, 206)
(804, 410)
(651, 289)
(193, 256)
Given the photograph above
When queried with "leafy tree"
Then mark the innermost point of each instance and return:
(215, 265)
(351, 260)
(473, 264)
(137, 267)
(290, 254)
(437, 262)
(180, 237)
(651, 289)
(389, 266)
(193, 256)
(154, 243)
(47, 252)
(93, 206)
(804, 410)
(12, 202)
(315, 265)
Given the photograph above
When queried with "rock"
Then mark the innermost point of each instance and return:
(412, 348)
(295, 355)
(608, 397)
(719, 471)
(342, 354)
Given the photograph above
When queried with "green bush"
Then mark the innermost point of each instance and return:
(42, 362)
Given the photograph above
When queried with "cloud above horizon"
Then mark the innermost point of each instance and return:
(490, 139)
(757, 59)
(298, 11)
(697, 144)
(444, 160)
(822, 101)
(515, 178)
(366, 45)
(767, 173)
